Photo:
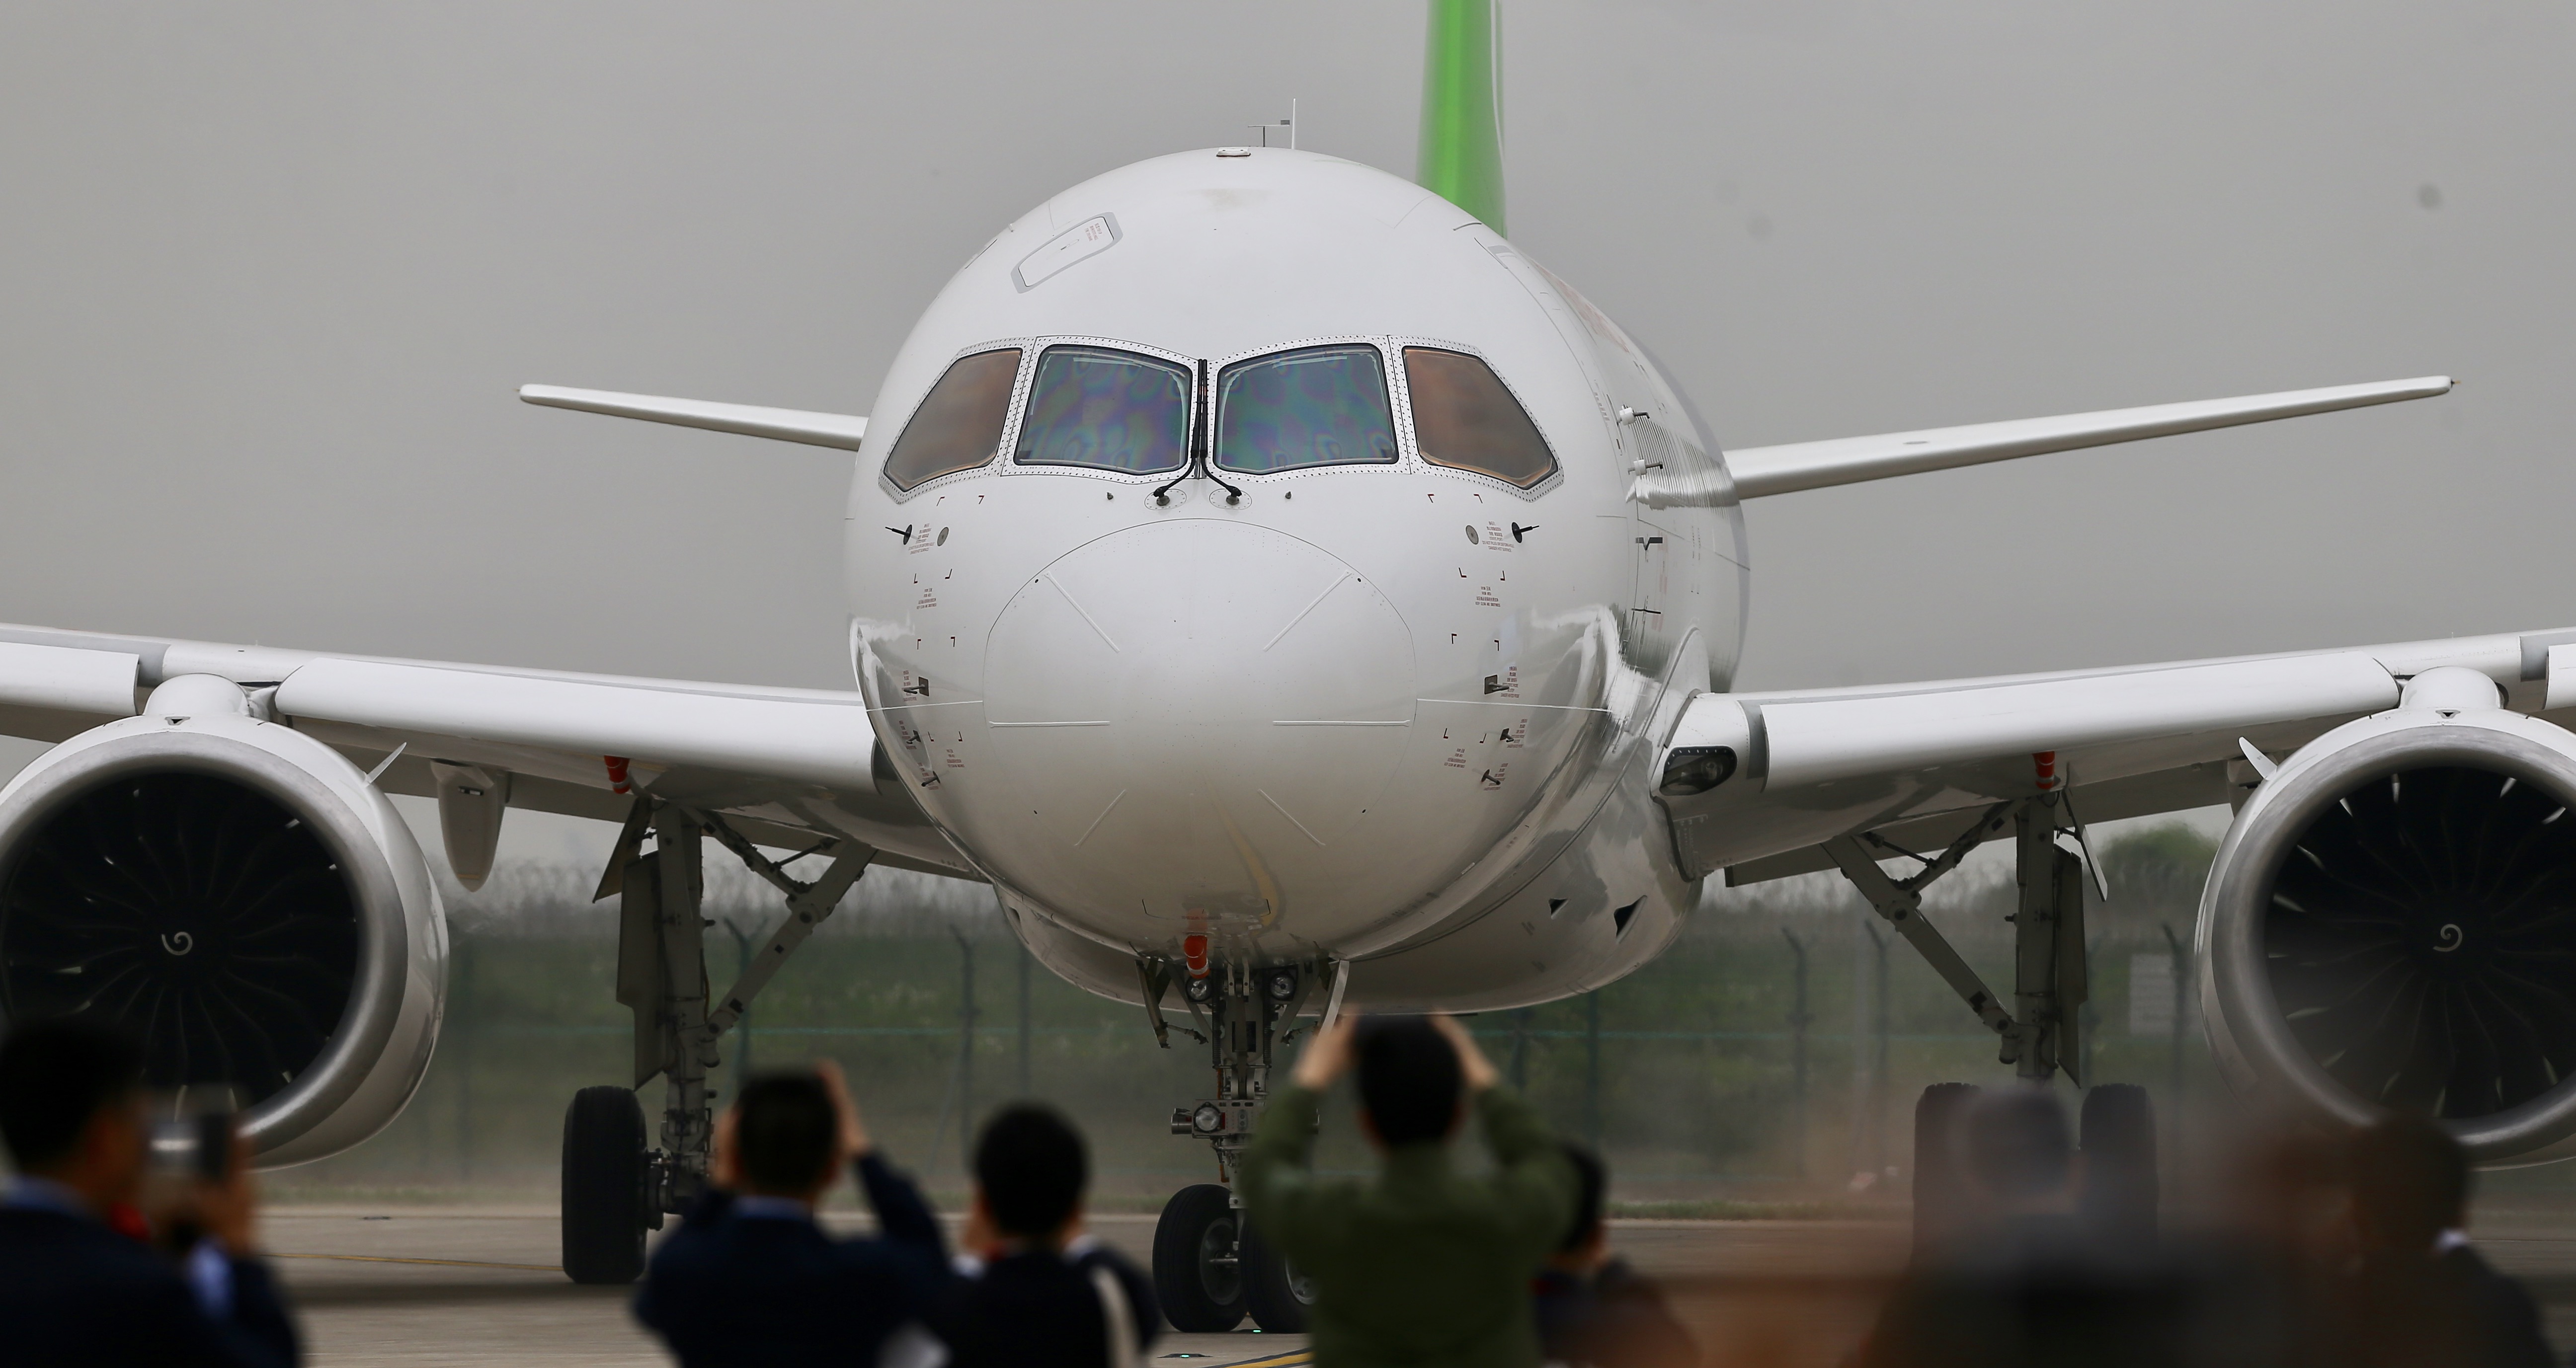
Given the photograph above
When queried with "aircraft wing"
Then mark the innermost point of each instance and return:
(785, 765)
(1917, 763)
(841, 430)
(1762, 471)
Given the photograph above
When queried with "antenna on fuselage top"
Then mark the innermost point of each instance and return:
(1289, 124)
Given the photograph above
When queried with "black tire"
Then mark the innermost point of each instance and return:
(2120, 1192)
(1945, 1200)
(1281, 1299)
(603, 1187)
(1199, 1295)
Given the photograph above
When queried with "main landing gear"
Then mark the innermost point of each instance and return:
(2040, 1036)
(614, 1188)
(1210, 1266)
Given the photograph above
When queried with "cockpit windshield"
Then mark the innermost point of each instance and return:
(959, 424)
(1315, 406)
(1466, 419)
(1106, 410)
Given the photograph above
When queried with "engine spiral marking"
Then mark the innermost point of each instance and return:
(2448, 940)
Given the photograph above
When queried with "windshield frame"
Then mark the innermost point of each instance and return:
(1398, 416)
(1010, 418)
(1415, 460)
(1390, 348)
(1039, 346)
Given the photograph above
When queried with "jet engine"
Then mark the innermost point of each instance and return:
(240, 897)
(2391, 924)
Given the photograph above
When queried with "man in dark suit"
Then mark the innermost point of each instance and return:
(751, 1278)
(1595, 1311)
(2423, 1295)
(1038, 1293)
(73, 1289)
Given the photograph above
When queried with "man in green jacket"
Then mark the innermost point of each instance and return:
(1421, 1266)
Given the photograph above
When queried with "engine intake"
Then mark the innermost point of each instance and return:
(241, 898)
(2391, 924)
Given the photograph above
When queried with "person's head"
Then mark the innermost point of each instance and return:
(1409, 1080)
(1584, 1237)
(1030, 1170)
(786, 1136)
(2016, 1148)
(71, 1094)
(2410, 1182)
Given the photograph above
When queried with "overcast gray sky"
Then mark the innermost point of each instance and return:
(269, 274)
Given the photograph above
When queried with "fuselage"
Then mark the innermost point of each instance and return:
(1376, 668)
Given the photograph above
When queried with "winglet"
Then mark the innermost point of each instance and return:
(748, 420)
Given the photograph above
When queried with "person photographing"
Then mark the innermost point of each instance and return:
(751, 1277)
(79, 1284)
(1420, 1265)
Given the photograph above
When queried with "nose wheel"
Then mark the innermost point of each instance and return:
(1198, 1271)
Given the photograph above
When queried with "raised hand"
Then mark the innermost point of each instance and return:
(1327, 1056)
(1474, 1069)
(229, 1208)
(854, 1133)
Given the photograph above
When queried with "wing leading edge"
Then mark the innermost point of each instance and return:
(747, 420)
(787, 764)
(1916, 762)
(1763, 471)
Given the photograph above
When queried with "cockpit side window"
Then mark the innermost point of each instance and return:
(959, 424)
(1316, 406)
(1106, 410)
(1465, 419)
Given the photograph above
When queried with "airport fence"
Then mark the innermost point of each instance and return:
(1770, 1057)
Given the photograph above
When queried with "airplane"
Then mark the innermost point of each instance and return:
(1292, 598)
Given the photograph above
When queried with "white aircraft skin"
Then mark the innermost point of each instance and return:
(1270, 720)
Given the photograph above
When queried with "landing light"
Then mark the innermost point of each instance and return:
(1692, 770)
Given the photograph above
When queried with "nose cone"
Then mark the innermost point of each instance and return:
(1196, 715)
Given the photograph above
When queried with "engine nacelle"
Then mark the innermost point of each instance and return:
(240, 896)
(2391, 923)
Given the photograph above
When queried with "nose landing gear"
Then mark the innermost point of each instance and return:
(1210, 1266)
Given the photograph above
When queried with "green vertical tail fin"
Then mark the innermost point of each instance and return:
(1462, 114)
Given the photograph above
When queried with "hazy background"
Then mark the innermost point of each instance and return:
(269, 274)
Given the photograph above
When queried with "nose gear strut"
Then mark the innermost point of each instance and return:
(1209, 1266)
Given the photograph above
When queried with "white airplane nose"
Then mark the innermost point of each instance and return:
(1193, 714)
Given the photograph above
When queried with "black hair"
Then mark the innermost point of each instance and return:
(1032, 1167)
(2016, 1143)
(2410, 1181)
(1591, 1186)
(56, 1075)
(1409, 1079)
(786, 1133)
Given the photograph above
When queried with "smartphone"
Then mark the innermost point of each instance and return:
(199, 1146)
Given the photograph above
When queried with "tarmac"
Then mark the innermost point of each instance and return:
(481, 1285)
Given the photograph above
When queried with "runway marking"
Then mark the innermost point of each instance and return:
(1288, 1360)
(442, 1263)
